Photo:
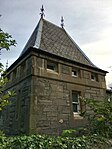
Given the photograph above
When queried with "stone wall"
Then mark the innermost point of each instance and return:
(43, 100)
(51, 104)
(94, 93)
(16, 115)
(50, 107)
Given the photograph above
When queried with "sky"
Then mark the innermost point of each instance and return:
(88, 22)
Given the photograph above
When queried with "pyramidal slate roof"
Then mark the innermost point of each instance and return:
(55, 40)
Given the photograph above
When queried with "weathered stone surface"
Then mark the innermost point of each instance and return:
(65, 69)
(86, 75)
(43, 100)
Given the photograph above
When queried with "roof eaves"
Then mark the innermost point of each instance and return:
(68, 60)
(52, 55)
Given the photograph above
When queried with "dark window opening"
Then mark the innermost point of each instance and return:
(94, 77)
(52, 66)
(75, 102)
(8, 77)
(75, 72)
(15, 73)
(23, 68)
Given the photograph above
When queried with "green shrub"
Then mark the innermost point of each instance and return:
(78, 132)
(52, 142)
(99, 117)
(96, 135)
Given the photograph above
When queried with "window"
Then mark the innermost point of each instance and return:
(23, 67)
(8, 77)
(75, 72)
(53, 66)
(14, 73)
(94, 77)
(75, 102)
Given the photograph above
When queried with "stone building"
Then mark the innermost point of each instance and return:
(50, 75)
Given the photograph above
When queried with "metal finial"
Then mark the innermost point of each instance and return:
(6, 64)
(42, 12)
(62, 22)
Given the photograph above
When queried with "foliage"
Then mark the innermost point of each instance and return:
(3, 139)
(99, 117)
(6, 42)
(81, 138)
(51, 142)
(78, 132)
(4, 96)
(99, 126)
(99, 120)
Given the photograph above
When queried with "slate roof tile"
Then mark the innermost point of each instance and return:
(55, 40)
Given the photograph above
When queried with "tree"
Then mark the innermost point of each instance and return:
(99, 117)
(6, 41)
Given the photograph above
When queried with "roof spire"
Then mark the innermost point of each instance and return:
(62, 22)
(42, 12)
(6, 64)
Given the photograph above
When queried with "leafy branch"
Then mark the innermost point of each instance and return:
(6, 40)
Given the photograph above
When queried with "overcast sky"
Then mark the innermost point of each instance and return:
(88, 22)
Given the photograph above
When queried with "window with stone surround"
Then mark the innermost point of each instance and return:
(75, 72)
(52, 66)
(76, 102)
(94, 77)
(23, 68)
(8, 77)
(14, 73)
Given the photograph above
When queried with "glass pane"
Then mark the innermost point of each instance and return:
(75, 108)
(74, 97)
(50, 67)
(74, 73)
(92, 77)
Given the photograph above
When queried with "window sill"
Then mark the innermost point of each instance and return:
(52, 71)
(93, 80)
(74, 76)
(77, 115)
